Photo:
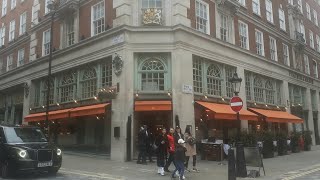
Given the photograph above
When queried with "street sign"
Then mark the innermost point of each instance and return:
(236, 103)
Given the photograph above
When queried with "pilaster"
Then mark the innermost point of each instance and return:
(26, 100)
(310, 124)
(242, 95)
(286, 98)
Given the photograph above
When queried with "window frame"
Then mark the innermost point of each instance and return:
(150, 6)
(13, 4)
(282, 19)
(306, 64)
(4, 7)
(317, 43)
(88, 86)
(311, 39)
(20, 54)
(9, 62)
(46, 50)
(2, 35)
(299, 2)
(242, 3)
(70, 35)
(308, 10)
(46, 9)
(12, 29)
(245, 25)
(207, 25)
(258, 4)
(315, 69)
(225, 29)
(259, 52)
(23, 23)
(315, 17)
(101, 19)
(286, 54)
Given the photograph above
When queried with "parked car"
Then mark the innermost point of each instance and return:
(26, 149)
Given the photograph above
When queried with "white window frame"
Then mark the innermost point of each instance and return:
(13, 4)
(318, 43)
(21, 57)
(4, 7)
(12, 29)
(2, 35)
(299, 2)
(46, 43)
(9, 62)
(201, 17)
(256, 3)
(290, 2)
(224, 26)
(269, 11)
(23, 23)
(273, 49)
(242, 2)
(306, 64)
(311, 38)
(259, 42)
(315, 17)
(245, 25)
(308, 9)
(282, 19)
(315, 69)
(286, 55)
(46, 9)
(303, 31)
(102, 19)
(70, 31)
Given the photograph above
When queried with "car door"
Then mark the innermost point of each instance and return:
(2, 146)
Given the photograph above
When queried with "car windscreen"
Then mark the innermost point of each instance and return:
(24, 135)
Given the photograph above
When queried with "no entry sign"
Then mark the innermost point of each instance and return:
(236, 103)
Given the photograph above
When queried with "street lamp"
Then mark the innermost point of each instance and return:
(52, 6)
(241, 169)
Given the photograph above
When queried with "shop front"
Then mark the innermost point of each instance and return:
(83, 129)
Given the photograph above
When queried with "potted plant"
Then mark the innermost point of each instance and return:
(268, 147)
(307, 140)
(281, 138)
(295, 137)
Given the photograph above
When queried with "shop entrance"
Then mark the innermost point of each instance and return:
(155, 120)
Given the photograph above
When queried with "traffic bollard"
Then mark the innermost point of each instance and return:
(231, 165)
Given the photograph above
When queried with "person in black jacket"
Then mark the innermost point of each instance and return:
(178, 135)
(149, 143)
(179, 159)
(161, 150)
(142, 144)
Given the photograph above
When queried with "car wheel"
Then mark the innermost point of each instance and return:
(5, 172)
(53, 171)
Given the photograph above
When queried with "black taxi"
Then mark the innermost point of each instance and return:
(26, 149)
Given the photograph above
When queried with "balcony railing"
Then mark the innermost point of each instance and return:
(152, 16)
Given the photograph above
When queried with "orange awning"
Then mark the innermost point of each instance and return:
(53, 115)
(153, 106)
(277, 116)
(224, 111)
(88, 110)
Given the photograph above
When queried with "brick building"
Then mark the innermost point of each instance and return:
(170, 61)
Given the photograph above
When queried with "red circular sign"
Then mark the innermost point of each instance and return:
(236, 103)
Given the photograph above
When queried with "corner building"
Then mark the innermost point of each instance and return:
(120, 64)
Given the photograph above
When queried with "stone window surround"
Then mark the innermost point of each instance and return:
(282, 19)
(259, 42)
(206, 19)
(257, 10)
(269, 12)
(102, 19)
(246, 35)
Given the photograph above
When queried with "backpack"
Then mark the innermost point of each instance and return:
(192, 141)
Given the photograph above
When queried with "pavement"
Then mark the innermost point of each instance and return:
(300, 166)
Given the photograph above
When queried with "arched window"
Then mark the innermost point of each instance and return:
(146, 4)
(258, 89)
(68, 87)
(270, 92)
(153, 75)
(45, 91)
(89, 83)
(214, 80)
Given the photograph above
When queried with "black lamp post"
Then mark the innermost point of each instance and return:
(241, 170)
(52, 6)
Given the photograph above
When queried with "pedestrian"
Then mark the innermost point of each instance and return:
(191, 151)
(171, 149)
(149, 143)
(179, 159)
(161, 144)
(178, 135)
(142, 146)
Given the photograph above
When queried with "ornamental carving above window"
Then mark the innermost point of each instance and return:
(152, 16)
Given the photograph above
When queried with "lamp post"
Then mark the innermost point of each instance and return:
(52, 6)
(241, 170)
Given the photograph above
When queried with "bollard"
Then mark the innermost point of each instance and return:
(241, 161)
(231, 165)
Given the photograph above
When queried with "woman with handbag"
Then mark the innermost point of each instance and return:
(191, 151)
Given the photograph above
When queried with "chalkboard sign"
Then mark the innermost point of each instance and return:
(253, 157)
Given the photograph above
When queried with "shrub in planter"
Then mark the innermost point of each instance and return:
(268, 148)
(282, 143)
(307, 140)
(295, 137)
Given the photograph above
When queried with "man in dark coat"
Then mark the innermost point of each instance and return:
(161, 151)
(142, 145)
(149, 143)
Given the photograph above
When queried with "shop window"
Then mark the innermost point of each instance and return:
(229, 74)
(197, 75)
(270, 92)
(258, 89)
(153, 75)
(44, 92)
(214, 80)
(248, 86)
(67, 87)
(89, 83)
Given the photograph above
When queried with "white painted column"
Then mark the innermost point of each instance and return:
(122, 106)
(310, 115)
(242, 95)
(26, 101)
(318, 109)
(285, 98)
(183, 105)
